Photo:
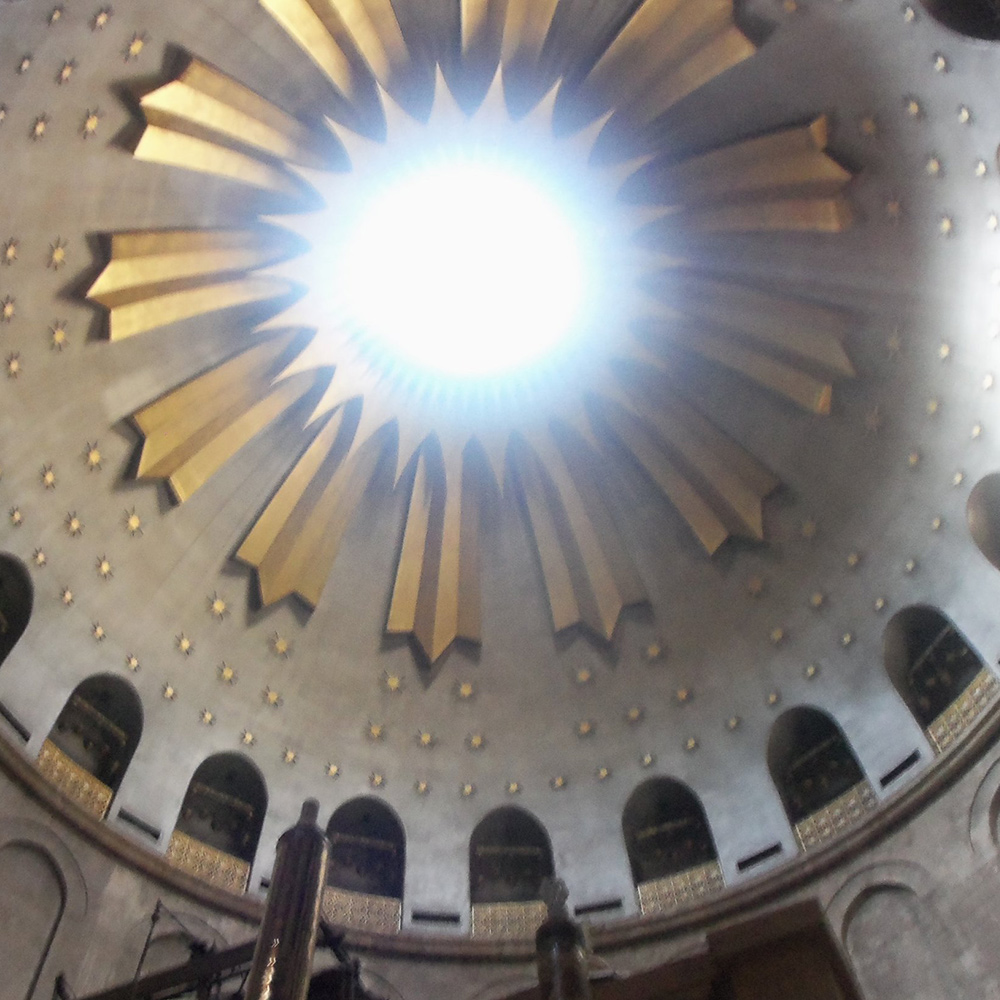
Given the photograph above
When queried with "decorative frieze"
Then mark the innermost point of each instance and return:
(667, 893)
(508, 921)
(362, 911)
(963, 711)
(208, 863)
(843, 812)
(74, 781)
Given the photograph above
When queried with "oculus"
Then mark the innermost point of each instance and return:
(613, 334)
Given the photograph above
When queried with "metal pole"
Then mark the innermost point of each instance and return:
(282, 960)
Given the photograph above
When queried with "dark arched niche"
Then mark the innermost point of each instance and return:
(509, 856)
(665, 830)
(225, 804)
(974, 18)
(810, 760)
(983, 515)
(928, 661)
(16, 598)
(99, 727)
(367, 849)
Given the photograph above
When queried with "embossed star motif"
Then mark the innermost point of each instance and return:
(39, 558)
(101, 18)
(217, 606)
(16, 517)
(3, 113)
(184, 644)
(97, 631)
(332, 770)
(55, 16)
(57, 333)
(8, 254)
(271, 697)
(634, 715)
(376, 780)
(647, 760)
(104, 570)
(691, 744)
(476, 741)
(73, 524)
(289, 756)
(513, 787)
(280, 646)
(777, 636)
(66, 596)
(57, 254)
(227, 674)
(133, 523)
(8, 308)
(247, 738)
(585, 727)
(135, 46)
(558, 782)
(207, 717)
(38, 127)
(375, 730)
(421, 787)
(464, 690)
(24, 65)
(392, 683)
(90, 122)
(603, 773)
(468, 789)
(425, 739)
(48, 477)
(92, 456)
(14, 366)
(132, 662)
(169, 692)
(583, 676)
(65, 72)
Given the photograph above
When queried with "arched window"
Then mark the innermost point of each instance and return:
(219, 824)
(982, 512)
(509, 856)
(928, 661)
(16, 597)
(975, 18)
(811, 762)
(367, 849)
(92, 742)
(665, 830)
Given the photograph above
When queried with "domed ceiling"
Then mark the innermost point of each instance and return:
(540, 588)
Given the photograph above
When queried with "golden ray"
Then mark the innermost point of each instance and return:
(203, 101)
(436, 593)
(191, 432)
(588, 573)
(296, 539)
(354, 42)
(665, 51)
(629, 388)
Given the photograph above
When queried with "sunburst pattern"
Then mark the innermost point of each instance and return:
(542, 433)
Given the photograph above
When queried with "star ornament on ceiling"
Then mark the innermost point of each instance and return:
(349, 371)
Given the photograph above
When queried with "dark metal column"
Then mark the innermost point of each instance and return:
(282, 961)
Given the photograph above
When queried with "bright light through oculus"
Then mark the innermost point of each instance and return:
(465, 268)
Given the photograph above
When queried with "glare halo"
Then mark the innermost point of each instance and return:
(464, 266)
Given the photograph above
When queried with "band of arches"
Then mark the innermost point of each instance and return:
(665, 829)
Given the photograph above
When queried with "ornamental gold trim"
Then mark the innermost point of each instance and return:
(839, 815)
(672, 891)
(208, 863)
(362, 911)
(963, 711)
(508, 921)
(74, 781)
